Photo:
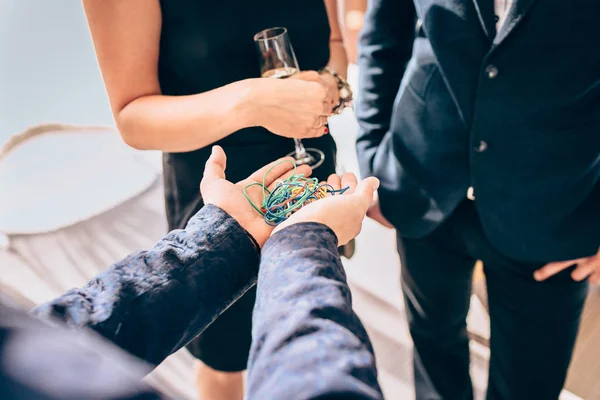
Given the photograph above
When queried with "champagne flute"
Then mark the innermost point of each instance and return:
(279, 61)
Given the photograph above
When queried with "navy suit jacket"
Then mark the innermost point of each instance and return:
(513, 114)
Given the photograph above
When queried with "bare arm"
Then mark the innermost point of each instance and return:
(126, 35)
(338, 61)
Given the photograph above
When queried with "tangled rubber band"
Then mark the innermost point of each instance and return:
(289, 195)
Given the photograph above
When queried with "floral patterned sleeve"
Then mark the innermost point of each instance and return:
(307, 341)
(154, 302)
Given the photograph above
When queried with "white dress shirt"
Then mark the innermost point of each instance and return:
(501, 8)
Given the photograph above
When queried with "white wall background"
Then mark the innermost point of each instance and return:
(48, 70)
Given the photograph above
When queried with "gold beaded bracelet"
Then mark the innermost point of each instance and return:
(344, 90)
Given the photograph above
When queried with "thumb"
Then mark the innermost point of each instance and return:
(216, 164)
(365, 191)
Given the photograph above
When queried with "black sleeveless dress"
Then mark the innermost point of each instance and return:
(205, 45)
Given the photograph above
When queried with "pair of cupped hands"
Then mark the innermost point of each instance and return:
(343, 214)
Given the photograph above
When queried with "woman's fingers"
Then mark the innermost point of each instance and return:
(320, 122)
(315, 133)
(332, 88)
(319, 127)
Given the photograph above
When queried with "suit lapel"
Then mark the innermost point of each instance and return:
(485, 13)
(515, 15)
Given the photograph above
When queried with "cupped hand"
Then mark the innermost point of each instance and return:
(217, 190)
(344, 213)
(296, 107)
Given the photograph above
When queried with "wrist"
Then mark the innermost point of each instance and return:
(233, 223)
(338, 60)
(245, 108)
(303, 234)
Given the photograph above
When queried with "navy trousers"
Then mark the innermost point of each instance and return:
(533, 324)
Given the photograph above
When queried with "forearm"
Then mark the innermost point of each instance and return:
(154, 302)
(186, 123)
(304, 307)
(127, 37)
(338, 59)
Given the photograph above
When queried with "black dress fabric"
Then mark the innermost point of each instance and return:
(206, 45)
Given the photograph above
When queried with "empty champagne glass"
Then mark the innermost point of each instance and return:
(279, 61)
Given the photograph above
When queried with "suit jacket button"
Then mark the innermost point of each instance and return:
(471, 193)
(481, 147)
(491, 71)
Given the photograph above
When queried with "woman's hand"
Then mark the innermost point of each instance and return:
(230, 198)
(343, 214)
(296, 107)
(325, 79)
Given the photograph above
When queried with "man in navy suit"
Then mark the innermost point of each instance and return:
(481, 118)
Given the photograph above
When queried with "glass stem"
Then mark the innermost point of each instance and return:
(300, 150)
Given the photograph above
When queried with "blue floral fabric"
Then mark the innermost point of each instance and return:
(307, 342)
(154, 302)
